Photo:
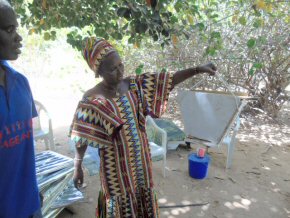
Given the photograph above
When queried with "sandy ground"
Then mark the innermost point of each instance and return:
(256, 186)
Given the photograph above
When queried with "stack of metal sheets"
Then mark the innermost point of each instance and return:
(54, 176)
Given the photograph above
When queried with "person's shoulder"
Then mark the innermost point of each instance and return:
(22, 77)
(12, 70)
(19, 76)
(93, 97)
(92, 93)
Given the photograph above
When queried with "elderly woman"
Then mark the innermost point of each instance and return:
(18, 186)
(111, 116)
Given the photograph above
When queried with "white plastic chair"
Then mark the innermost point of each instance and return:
(42, 126)
(157, 138)
(211, 119)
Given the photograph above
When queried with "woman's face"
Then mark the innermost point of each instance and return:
(112, 69)
(9, 38)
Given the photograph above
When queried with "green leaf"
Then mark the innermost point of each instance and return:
(119, 36)
(125, 26)
(258, 13)
(163, 70)
(216, 35)
(166, 15)
(252, 71)
(201, 26)
(243, 21)
(257, 65)
(251, 43)
(210, 51)
(165, 33)
(138, 71)
(141, 27)
(254, 68)
(46, 36)
(214, 16)
(131, 40)
(173, 19)
(155, 37)
(257, 23)
(178, 6)
(122, 11)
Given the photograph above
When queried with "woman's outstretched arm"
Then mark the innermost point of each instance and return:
(182, 75)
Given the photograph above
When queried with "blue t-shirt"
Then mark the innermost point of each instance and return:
(19, 196)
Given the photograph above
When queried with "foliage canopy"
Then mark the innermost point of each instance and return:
(135, 19)
(248, 39)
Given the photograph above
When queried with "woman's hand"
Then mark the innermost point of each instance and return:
(78, 177)
(182, 75)
(209, 68)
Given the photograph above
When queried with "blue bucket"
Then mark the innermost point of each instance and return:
(198, 166)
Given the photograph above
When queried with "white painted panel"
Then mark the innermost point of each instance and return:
(207, 115)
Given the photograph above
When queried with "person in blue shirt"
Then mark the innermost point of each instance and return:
(19, 195)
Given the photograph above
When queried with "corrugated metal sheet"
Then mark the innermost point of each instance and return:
(54, 176)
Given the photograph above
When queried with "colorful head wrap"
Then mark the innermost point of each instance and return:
(95, 51)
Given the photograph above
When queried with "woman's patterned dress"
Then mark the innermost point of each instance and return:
(117, 127)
